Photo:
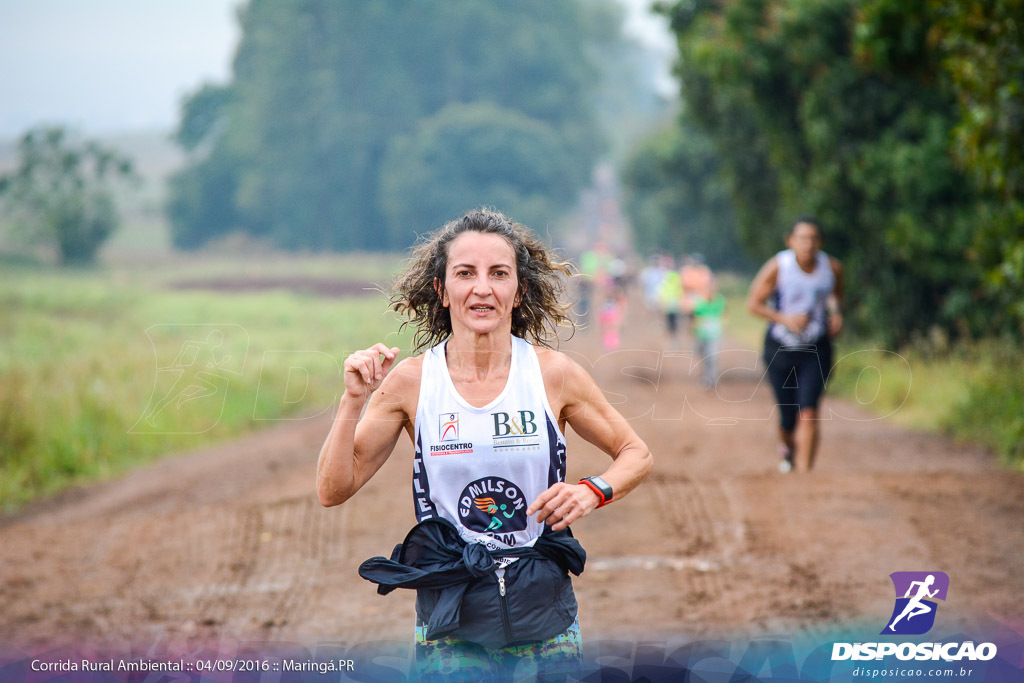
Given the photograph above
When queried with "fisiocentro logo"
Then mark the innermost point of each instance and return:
(914, 614)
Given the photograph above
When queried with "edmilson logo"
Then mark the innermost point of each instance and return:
(493, 505)
(449, 429)
(916, 592)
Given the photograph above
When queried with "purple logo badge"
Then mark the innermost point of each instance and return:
(916, 593)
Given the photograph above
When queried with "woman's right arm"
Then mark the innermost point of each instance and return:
(360, 442)
(761, 288)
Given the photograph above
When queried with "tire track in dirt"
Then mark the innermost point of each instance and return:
(313, 556)
(694, 500)
(235, 570)
(267, 579)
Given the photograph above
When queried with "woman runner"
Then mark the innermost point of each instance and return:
(485, 405)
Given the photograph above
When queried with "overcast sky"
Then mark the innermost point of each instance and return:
(106, 66)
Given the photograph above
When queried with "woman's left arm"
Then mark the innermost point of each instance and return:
(588, 412)
(835, 300)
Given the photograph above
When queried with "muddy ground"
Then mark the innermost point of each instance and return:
(230, 543)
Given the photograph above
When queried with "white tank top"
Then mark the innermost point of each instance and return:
(480, 468)
(797, 291)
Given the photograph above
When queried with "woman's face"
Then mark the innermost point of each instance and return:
(481, 283)
(805, 241)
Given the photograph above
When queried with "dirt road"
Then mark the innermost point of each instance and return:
(230, 542)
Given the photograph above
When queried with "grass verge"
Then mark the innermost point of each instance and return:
(103, 369)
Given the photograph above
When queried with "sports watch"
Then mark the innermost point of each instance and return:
(600, 487)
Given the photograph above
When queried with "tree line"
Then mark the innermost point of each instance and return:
(357, 125)
(897, 122)
(350, 125)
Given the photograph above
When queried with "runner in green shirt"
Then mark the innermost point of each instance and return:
(708, 332)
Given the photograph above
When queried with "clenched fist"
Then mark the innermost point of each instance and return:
(365, 370)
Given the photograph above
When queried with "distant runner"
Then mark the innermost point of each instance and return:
(707, 330)
(805, 286)
(650, 281)
(697, 280)
(670, 299)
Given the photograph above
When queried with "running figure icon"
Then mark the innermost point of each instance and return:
(916, 606)
(917, 595)
(490, 507)
(194, 376)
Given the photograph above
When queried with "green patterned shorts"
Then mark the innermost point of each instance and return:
(448, 659)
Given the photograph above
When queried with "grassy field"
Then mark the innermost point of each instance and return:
(104, 368)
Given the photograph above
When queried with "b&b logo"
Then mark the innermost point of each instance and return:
(506, 425)
(914, 612)
(449, 428)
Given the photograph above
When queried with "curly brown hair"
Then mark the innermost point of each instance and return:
(541, 311)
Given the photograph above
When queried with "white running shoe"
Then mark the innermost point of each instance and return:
(786, 464)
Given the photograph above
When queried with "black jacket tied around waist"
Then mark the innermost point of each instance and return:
(458, 592)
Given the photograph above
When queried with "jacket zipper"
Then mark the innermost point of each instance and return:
(506, 619)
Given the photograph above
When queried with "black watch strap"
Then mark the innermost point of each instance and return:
(600, 487)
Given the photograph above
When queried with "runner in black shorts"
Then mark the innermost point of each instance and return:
(805, 287)
(798, 375)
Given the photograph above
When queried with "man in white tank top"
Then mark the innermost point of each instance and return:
(802, 293)
(805, 288)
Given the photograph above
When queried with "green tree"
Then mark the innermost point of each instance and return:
(677, 201)
(982, 47)
(322, 88)
(202, 197)
(60, 194)
(471, 155)
(845, 112)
